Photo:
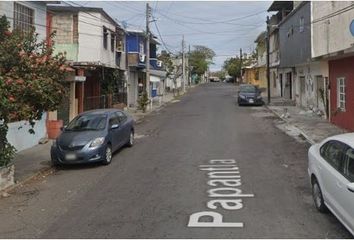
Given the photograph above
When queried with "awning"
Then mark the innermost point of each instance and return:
(158, 73)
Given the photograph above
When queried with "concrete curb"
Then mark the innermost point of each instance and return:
(308, 139)
(41, 171)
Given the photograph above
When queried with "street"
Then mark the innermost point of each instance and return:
(152, 189)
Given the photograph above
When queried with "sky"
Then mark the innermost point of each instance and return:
(224, 27)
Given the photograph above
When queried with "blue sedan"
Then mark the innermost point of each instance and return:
(92, 137)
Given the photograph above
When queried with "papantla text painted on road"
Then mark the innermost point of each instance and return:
(224, 177)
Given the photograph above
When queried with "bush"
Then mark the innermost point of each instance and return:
(143, 101)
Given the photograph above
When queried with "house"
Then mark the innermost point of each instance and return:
(332, 41)
(261, 69)
(281, 9)
(24, 15)
(94, 47)
(249, 73)
(136, 63)
(302, 73)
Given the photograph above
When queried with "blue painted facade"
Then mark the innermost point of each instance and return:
(134, 41)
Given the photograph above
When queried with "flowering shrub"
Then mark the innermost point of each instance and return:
(30, 81)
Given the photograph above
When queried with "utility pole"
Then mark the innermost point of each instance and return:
(183, 67)
(189, 66)
(268, 68)
(147, 81)
(241, 65)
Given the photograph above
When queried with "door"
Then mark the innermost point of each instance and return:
(320, 94)
(302, 91)
(281, 84)
(331, 170)
(115, 131)
(288, 86)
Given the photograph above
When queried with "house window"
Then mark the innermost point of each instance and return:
(105, 36)
(302, 24)
(23, 18)
(341, 93)
(112, 41)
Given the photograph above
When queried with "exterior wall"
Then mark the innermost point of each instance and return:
(21, 139)
(40, 13)
(331, 35)
(307, 85)
(342, 68)
(91, 39)
(295, 46)
(66, 38)
(275, 89)
(282, 72)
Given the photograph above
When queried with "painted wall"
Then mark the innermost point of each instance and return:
(40, 13)
(295, 43)
(331, 35)
(342, 68)
(91, 39)
(21, 139)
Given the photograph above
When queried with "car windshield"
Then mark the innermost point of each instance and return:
(88, 122)
(248, 89)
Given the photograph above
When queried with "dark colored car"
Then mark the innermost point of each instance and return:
(92, 137)
(249, 95)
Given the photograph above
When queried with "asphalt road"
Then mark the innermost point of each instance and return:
(152, 189)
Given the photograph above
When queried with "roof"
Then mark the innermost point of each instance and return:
(61, 8)
(279, 5)
(140, 32)
(293, 12)
(347, 138)
(261, 37)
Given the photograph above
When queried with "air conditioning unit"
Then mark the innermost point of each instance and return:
(142, 57)
(159, 63)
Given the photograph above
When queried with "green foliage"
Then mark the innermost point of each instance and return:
(112, 81)
(29, 80)
(166, 62)
(143, 101)
(233, 65)
(7, 150)
(200, 59)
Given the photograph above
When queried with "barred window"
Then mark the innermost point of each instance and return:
(341, 93)
(23, 18)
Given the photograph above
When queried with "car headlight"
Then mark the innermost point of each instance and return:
(97, 142)
(243, 97)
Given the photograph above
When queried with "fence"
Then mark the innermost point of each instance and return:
(117, 100)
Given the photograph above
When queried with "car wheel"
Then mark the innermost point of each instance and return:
(318, 197)
(107, 158)
(131, 139)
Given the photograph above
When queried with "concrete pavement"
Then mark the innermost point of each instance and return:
(153, 189)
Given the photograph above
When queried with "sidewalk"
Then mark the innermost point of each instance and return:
(36, 160)
(313, 127)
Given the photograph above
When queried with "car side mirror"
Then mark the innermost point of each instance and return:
(63, 128)
(350, 187)
(114, 126)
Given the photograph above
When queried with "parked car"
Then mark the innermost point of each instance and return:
(92, 137)
(249, 95)
(331, 171)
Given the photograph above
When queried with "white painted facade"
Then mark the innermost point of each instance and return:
(18, 134)
(40, 14)
(90, 25)
(309, 79)
(331, 35)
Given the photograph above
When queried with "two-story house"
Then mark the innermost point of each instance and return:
(24, 15)
(136, 63)
(302, 73)
(333, 45)
(261, 70)
(94, 47)
(281, 9)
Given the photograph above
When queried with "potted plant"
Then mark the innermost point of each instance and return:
(143, 101)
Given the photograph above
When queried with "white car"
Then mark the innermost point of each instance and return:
(331, 170)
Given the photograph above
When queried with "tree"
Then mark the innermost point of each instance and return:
(173, 70)
(200, 59)
(30, 81)
(233, 65)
